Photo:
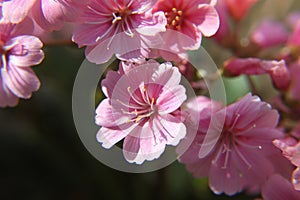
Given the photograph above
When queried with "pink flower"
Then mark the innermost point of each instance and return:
(239, 9)
(48, 14)
(193, 18)
(234, 155)
(277, 70)
(104, 20)
(278, 188)
(270, 33)
(143, 106)
(18, 52)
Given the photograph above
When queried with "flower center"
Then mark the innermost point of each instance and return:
(231, 140)
(141, 105)
(122, 19)
(174, 19)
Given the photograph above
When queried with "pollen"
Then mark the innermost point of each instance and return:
(152, 101)
(174, 19)
(138, 119)
(173, 23)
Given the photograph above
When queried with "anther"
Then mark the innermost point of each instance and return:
(173, 23)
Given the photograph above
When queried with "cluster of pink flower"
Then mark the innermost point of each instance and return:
(244, 146)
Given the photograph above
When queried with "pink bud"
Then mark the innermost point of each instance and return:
(277, 70)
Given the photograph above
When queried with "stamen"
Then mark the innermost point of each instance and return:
(173, 22)
(236, 149)
(4, 61)
(129, 4)
(98, 13)
(247, 145)
(144, 93)
(178, 27)
(128, 106)
(152, 102)
(227, 150)
(135, 112)
(116, 18)
(117, 4)
(177, 18)
(135, 99)
(234, 122)
(143, 116)
(217, 156)
(174, 10)
(129, 33)
(112, 37)
(100, 22)
(247, 128)
(179, 12)
(105, 34)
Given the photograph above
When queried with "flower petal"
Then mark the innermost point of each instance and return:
(131, 149)
(21, 81)
(278, 188)
(108, 117)
(171, 99)
(28, 53)
(208, 18)
(109, 137)
(16, 10)
(6, 97)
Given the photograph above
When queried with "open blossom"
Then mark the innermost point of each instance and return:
(192, 18)
(143, 106)
(239, 148)
(112, 26)
(277, 70)
(18, 52)
(48, 14)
